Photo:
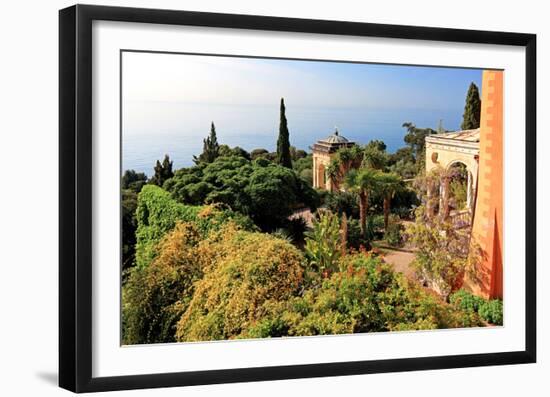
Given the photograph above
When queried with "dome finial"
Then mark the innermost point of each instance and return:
(335, 130)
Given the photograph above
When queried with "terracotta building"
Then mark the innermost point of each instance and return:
(481, 152)
(488, 223)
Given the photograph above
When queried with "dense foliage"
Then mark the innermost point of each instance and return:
(357, 240)
(133, 180)
(129, 226)
(227, 151)
(489, 310)
(394, 234)
(154, 297)
(444, 252)
(157, 213)
(364, 296)
(416, 139)
(266, 192)
(249, 295)
(247, 273)
(466, 301)
(303, 166)
(131, 184)
(210, 279)
(259, 153)
(342, 203)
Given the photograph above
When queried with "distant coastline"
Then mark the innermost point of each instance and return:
(142, 148)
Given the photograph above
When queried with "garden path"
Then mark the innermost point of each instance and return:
(400, 259)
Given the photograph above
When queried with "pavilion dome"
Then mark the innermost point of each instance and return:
(336, 138)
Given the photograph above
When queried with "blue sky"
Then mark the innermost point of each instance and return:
(169, 101)
(234, 81)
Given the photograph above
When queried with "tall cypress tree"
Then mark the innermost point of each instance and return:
(283, 143)
(210, 148)
(472, 109)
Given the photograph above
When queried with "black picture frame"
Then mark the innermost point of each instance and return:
(75, 197)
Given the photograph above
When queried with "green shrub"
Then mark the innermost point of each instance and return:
(404, 200)
(304, 163)
(356, 240)
(443, 252)
(154, 297)
(266, 192)
(364, 296)
(157, 213)
(393, 235)
(342, 202)
(491, 311)
(247, 273)
(129, 225)
(307, 175)
(466, 301)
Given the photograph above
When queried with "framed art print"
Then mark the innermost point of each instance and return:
(247, 198)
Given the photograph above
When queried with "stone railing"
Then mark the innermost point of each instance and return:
(461, 219)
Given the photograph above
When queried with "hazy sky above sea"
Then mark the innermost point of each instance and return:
(176, 95)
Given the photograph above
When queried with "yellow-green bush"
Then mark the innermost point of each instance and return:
(154, 297)
(157, 213)
(240, 284)
(247, 271)
(364, 296)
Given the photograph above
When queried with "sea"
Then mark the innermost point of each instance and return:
(180, 134)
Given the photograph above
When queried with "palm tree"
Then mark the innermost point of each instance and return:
(345, 159)
(363, 181)
(389, 184)
(349, 158)
(374, 158)
(333, 174)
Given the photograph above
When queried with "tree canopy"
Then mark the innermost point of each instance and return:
(133, 180)
(415, 138)
(163, 171)
(227, 151)
(157, 213)
(472, 109)
(266, 192)
(131, 184)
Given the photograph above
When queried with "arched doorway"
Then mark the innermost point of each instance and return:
(321, 176)
(461, 186)
(456, 196)
(454, 157)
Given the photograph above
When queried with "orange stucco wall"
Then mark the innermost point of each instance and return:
(487, 226)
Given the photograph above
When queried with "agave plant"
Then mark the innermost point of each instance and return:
(323, 243)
